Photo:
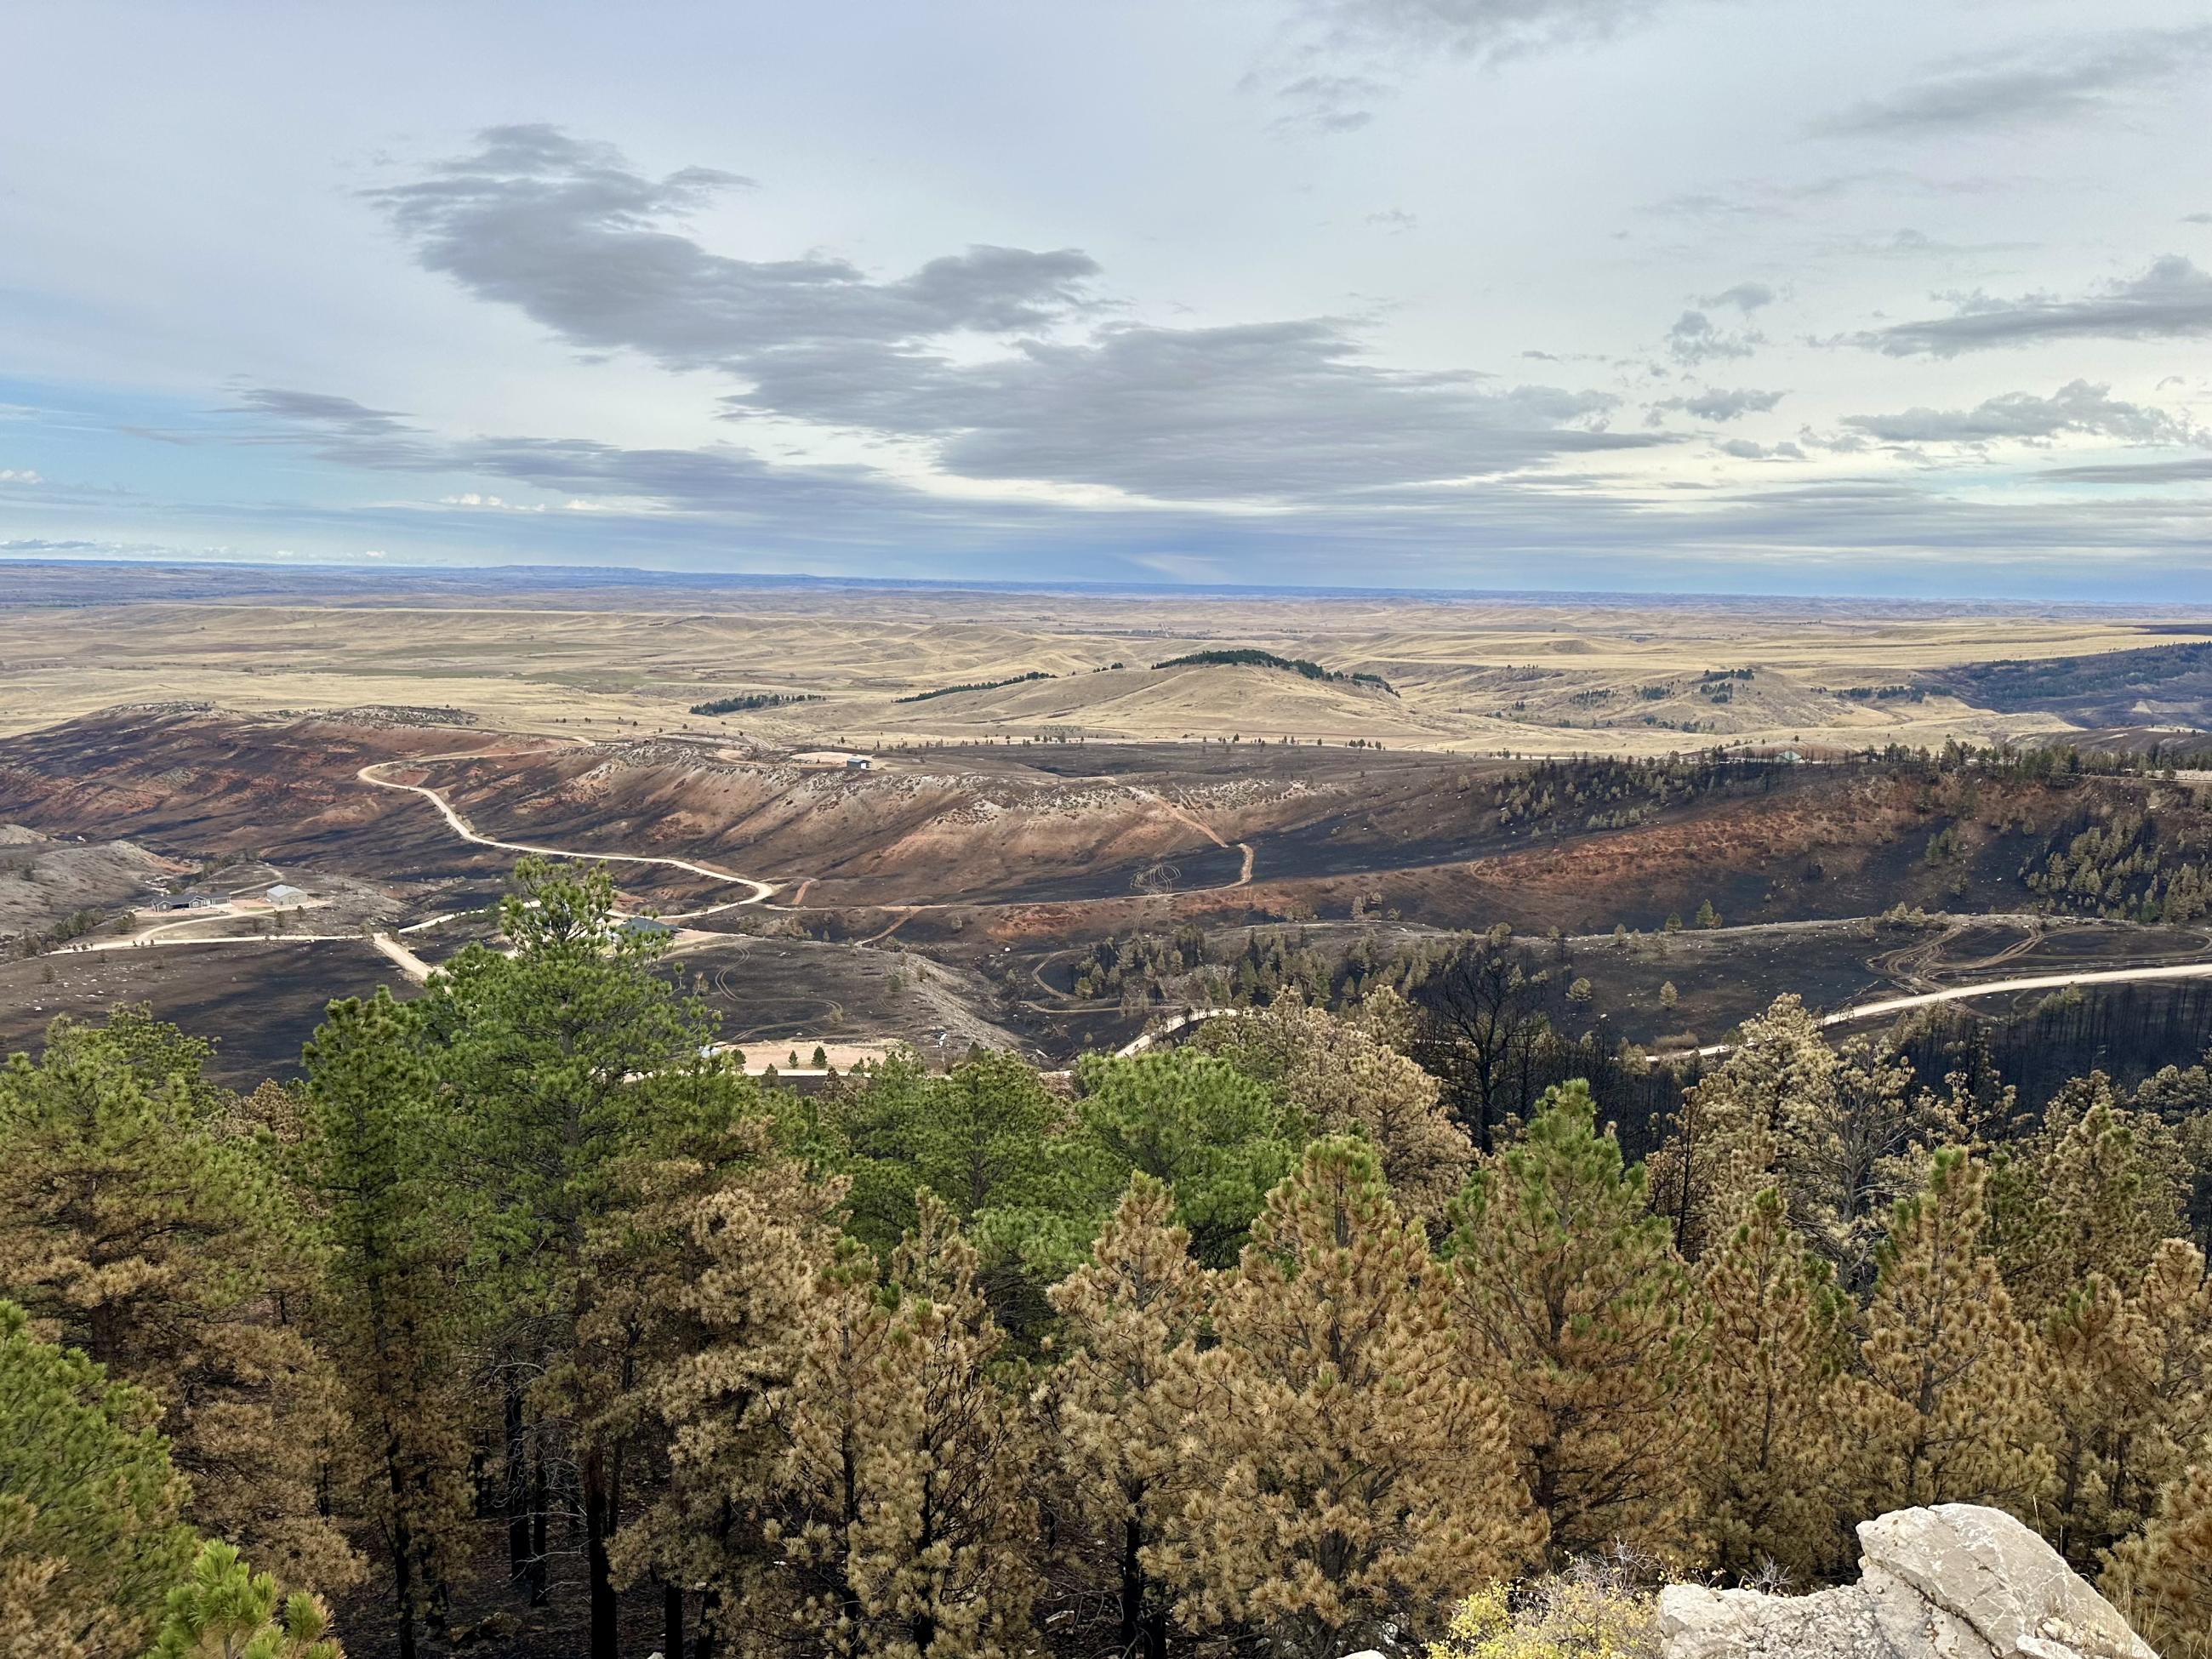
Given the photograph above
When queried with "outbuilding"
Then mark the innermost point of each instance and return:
(285, 893)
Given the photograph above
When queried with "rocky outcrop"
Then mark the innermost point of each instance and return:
(1954, 1582)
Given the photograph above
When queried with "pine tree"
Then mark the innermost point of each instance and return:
(705, 1244)
(987, 1140)
(133, 1228)
(1848, 1151)
(1116, 1407)
(725, 1285)
(2130, 1386)
(2175, 1301)
(564, 1061)
(1350, 1077)
(1775, 1344)
(1572, 1303)
(2099, 1382)
(1843, 1135)
(829, 1418)
(225, 1610)
(1215, 1136)
(906, 1483)
(975, 1138)
(374, 1158)
(1945, 1406)
(1725, 1148)
(89, 1538)
(2161, 1578)
(1353, 1478)
(2095, 1190)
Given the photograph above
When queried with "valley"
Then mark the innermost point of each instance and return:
(948, 892)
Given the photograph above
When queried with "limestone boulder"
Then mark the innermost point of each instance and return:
(1954, 1582)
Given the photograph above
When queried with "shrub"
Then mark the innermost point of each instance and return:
(1596, 1609)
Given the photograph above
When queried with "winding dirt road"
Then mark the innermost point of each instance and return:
(762, 890)
(1192, 821)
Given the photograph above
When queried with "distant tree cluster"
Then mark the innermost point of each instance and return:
(977, 686)
(2109, 683)
(1250, 657)
(746, 702)
(1593, 793)
(2134, 865)
(1181, 966)
(74, 926)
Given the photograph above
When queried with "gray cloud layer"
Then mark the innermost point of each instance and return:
(2077, 407)
(568, 233)
(2171, 300)
(2066, 81)
(1718, 404)
(1479, 28)
(2197, 471)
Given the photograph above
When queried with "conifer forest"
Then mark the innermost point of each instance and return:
(525, 1322)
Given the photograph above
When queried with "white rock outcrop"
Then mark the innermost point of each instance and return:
(1954, 1582)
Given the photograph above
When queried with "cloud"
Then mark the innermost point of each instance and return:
(2077, 408)
(1746, 297)
(1744, 449)
(19, 475)
(336, 428)
(2193, 470)
(1329, 103)
(1040, 392)
(723, 511)
(1908, 243)
(1398, 220)
(1772, 198)
(1696, 339)
(1263, 410)
(1483, 29)
(1339, 59)
(1722, 405)
(2067, 80)
(566, 232)
(2171, 299)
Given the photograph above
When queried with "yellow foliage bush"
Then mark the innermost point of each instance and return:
(1592, 1611)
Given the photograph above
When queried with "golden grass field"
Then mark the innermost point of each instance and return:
(1477, 675)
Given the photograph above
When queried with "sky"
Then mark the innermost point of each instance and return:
(1633, 295)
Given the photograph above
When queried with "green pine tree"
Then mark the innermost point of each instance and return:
(225, 1610)
(1214, 1136)
(565, 1061)
(374, 1158)
(89, 1538)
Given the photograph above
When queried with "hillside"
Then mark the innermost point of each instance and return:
(1199, 700)
(45, 880)
(2155, 685)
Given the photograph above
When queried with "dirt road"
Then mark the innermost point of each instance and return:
(1886, 1005)
(762, 890)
